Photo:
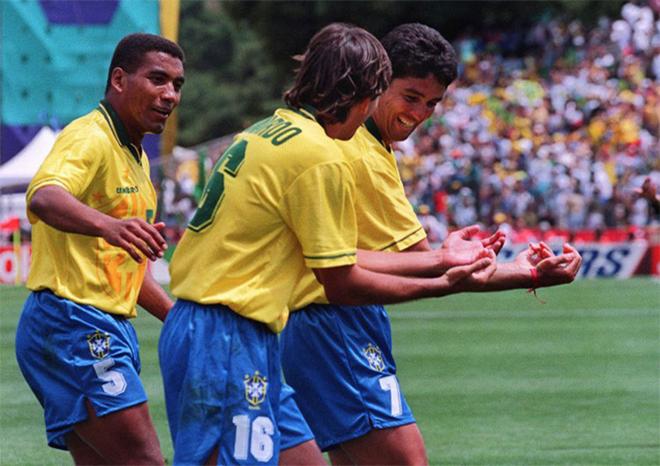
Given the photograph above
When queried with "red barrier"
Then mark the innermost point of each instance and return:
(655, 260)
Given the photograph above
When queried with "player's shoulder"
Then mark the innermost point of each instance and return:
(90, 129)
(356, 148)
(297, 134)
(370, 136)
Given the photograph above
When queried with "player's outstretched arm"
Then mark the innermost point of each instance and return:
(153, 298)
(421, 261)
(431, 263)
(355, 285)
(535, 267)
(61, 210)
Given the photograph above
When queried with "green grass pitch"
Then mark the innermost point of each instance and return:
(493, 379)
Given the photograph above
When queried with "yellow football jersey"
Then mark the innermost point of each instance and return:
(386, 220)
(280, 200)
(94, 160)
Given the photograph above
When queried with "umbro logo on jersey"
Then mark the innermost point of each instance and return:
(127, 189)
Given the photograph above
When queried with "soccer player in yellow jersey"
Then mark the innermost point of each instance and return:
(92, 207)
(280, 200)
(339, 358)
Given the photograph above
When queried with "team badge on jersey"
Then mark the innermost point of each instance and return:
(255, 389)
(99, 344)
(374, 357)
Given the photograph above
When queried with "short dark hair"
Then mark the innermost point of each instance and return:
(343, 64)
(416, 51)
(130, 51)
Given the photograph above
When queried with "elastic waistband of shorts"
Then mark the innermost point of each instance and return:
(220, 308)
(212, 307)
(47, 294)
(45, 291)
(316, 307)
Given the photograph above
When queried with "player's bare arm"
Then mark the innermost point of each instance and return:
(551, 270)
(355, 285)
(535, 267)
(422, 261)
(153, 298)
(59, 209)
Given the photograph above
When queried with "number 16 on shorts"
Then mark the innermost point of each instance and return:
(253, 438)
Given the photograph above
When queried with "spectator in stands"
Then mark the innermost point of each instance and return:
(579, 104)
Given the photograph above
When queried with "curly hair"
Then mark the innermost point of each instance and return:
(130, 51)
(343, 65)
(416, 51)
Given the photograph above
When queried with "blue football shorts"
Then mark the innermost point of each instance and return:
(222, 377)
(69, 352)
(338, 359)
(292, 424)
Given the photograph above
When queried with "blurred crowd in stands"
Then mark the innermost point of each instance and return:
(554, 127)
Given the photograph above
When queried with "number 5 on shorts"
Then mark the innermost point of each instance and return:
(390, 384)
(116, 383)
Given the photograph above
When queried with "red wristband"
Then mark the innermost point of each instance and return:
(535, 277)
(535, 283)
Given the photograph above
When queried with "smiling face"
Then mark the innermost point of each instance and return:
(146, 98)
(405, 104)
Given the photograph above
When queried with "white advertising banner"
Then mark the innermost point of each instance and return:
(599, 260)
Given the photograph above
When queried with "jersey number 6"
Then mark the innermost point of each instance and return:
(229, 163)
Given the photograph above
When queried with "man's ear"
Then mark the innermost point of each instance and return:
(118, 79)
(364, 104)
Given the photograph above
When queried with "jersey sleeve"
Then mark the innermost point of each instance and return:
(71, 164)
(386, 220)
(319, 208)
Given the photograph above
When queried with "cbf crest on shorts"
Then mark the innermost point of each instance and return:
(255, 389)
(99, 344)
(374, 357)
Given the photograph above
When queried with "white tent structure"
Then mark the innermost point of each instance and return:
(20, 169)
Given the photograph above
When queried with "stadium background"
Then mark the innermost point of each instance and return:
(552, 126)
(549, 130)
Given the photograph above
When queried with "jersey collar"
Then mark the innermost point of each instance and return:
(119, 130)
(306, 110)
(371, 126)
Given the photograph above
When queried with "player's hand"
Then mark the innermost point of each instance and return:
(136, 237)
(479, 271)
(534, 254)
(482, 276)
(556, 270)
(459, 249)
(495, 242)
